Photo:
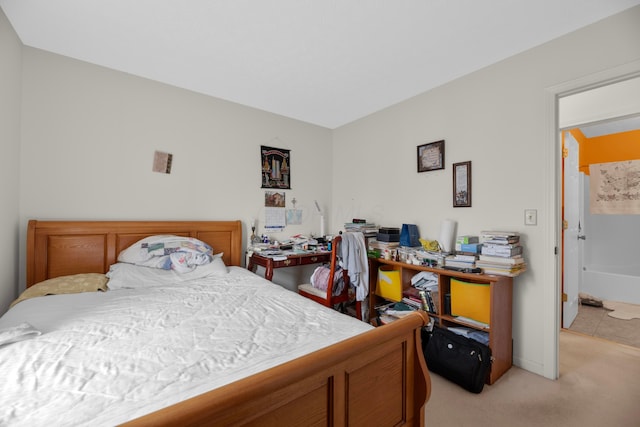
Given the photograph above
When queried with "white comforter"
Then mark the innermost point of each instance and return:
(104, 358)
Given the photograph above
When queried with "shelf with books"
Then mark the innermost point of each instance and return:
(500, 295)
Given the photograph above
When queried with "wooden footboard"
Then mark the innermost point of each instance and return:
(378, 378)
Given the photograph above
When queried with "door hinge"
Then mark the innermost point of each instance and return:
(565, 224)
(565, 298)
(565, 152)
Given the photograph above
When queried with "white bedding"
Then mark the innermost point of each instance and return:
(107, 357)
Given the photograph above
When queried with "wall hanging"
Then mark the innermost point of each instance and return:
(276, 167)
(462, 184)
(431, 156)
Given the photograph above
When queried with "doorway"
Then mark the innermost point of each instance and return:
(591, 243)
(552, 271)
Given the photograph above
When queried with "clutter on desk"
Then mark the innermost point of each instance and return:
(297, 244)
(491, 252)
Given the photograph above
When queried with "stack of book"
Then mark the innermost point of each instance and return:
(468, 245)
(411, 297)
(430, 257)
(367, 228)
(427, 283)
(382, 246)
(388, 313)
(501, 253)
(460, 261)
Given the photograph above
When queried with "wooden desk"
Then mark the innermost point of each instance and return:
(292, 260)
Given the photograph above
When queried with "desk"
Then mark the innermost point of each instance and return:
(292, 260)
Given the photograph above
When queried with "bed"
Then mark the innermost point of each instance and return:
(337, 370)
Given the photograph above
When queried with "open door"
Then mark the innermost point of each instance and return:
(572, 237)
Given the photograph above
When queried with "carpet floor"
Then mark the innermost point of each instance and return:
(598, 386)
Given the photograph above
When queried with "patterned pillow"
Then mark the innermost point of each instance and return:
(168, 252)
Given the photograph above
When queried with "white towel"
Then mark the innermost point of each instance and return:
(354, 260)
(20, 332)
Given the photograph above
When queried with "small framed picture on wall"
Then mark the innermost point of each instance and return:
(431, 156)
(462, 184)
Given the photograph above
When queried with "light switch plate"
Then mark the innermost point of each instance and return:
(530, 217)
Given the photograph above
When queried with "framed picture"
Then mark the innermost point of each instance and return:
(276, 167)
(431, 156)
(462, 184)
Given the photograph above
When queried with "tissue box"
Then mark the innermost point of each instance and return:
(472, 300)
(389, 285)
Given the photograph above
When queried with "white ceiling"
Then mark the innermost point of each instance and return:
(326, 62)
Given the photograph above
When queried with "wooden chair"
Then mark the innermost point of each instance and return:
(327, 298)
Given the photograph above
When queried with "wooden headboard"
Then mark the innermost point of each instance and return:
(60, 248)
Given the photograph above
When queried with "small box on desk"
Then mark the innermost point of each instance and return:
(472, 248)
(472, 300)
(388, 234)
(389, 285)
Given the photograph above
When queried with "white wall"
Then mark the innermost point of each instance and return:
(603, 103)
(89, 135)
(10, 75)
(612, 240)
(497, 119)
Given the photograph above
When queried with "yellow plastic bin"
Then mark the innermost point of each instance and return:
(389, 285)
(472, 300)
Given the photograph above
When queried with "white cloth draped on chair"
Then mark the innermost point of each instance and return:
(354, 260)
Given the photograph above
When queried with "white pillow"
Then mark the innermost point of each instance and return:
(187, 253)
(124, 275)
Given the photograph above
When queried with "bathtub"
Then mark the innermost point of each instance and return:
(612, 282)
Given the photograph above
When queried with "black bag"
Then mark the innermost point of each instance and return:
(462, 360)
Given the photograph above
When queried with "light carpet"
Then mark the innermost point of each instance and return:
(598, 386)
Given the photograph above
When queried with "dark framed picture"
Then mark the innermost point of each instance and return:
(431, 156)
(276, 167)
(462, 184)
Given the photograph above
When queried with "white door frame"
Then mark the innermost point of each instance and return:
(552, 268)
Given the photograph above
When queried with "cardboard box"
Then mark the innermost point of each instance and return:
(465, 240)
(472, 300)
(472, 248)
(389, 285)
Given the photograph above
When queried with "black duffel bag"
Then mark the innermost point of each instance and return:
(459, 359)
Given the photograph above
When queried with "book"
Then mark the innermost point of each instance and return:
(412, 302)
(503, 234)
(516, 259)
(459, 264)
(461, 257)
(506, 251)
(501, 270)
(500, 245)
(499, 237)
(377, 244)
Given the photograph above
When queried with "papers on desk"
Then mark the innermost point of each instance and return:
(278, 255)
(271, 252)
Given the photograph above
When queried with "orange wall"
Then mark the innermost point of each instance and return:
(607, 148)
